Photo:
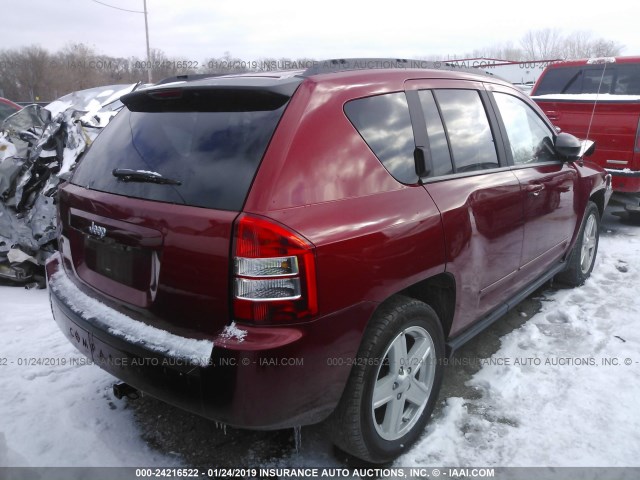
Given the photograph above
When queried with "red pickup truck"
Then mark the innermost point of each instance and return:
(599, 99)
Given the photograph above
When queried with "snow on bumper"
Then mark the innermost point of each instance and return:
(196, 352)
(224, 378)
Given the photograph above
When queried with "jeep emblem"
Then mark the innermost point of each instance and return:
(97, 230)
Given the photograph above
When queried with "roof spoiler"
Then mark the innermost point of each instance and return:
(205, 98)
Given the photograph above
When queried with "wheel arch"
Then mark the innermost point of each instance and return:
(439, 292)
(598, 197)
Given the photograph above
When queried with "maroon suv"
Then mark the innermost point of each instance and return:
(278, 250)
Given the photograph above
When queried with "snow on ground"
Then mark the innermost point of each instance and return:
(568, 410)
(560, 406)
(58, 415)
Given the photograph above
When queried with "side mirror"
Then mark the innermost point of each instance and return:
(568, 147)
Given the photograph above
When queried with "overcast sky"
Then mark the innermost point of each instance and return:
(251, 29)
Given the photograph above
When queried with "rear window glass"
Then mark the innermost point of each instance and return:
(617, 79)
(560, 80)
(214, 155)
(385, 124)
(594, 81)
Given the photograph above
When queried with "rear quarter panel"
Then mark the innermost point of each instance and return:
(373, 235)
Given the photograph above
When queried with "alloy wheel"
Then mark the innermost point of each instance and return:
(404, 382)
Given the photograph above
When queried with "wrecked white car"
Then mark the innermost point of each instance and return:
(38, 146)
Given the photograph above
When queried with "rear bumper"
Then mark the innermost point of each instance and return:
(269, 378)
(625, 180)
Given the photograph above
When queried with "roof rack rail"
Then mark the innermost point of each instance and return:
(347, 64)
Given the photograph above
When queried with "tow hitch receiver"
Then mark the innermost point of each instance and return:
(124, 390)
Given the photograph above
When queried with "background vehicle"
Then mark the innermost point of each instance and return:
(7, 107)
(278, 250)
(598, 98)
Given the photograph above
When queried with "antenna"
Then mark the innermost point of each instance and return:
(596, 100)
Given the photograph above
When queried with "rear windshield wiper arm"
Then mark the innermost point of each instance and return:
(128, 175)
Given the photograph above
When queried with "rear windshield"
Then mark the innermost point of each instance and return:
(213, 155)
(616, 79)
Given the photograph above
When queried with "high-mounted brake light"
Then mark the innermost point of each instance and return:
(274, 275)
(166, 94)
(601, 60)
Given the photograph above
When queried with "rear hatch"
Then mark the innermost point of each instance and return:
(147, 219)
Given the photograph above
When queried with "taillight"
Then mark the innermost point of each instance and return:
(637, 149)
(274, 274)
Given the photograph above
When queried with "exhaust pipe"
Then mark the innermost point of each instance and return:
(124, 390)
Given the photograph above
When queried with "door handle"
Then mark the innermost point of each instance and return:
(534, 189)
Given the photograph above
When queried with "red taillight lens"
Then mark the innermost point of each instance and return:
(274, 274)
(637, 149)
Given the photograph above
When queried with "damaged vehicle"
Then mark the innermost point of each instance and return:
(283, 249)
(39, 146)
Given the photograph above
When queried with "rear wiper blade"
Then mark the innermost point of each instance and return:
(128, 175)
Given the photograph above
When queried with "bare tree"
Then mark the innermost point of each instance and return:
(23, 73)
(550, 44)
(606, 48)
(577, 45)
(32, 73)
(545, 44)
(582, 45)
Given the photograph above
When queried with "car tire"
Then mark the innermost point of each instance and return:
(399, 367)
(583, 255)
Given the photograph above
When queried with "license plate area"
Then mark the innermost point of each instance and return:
(125, 264)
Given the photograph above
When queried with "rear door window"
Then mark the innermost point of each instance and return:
(214, 155)
(438, 144)
(467, 125)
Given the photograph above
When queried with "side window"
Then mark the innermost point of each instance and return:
(385, 124)
(595, 81)
(466, 121)
(530, 139)
(438, 145)
(628, 80)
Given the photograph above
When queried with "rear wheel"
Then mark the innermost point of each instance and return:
(394, 383)
(583, 255)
